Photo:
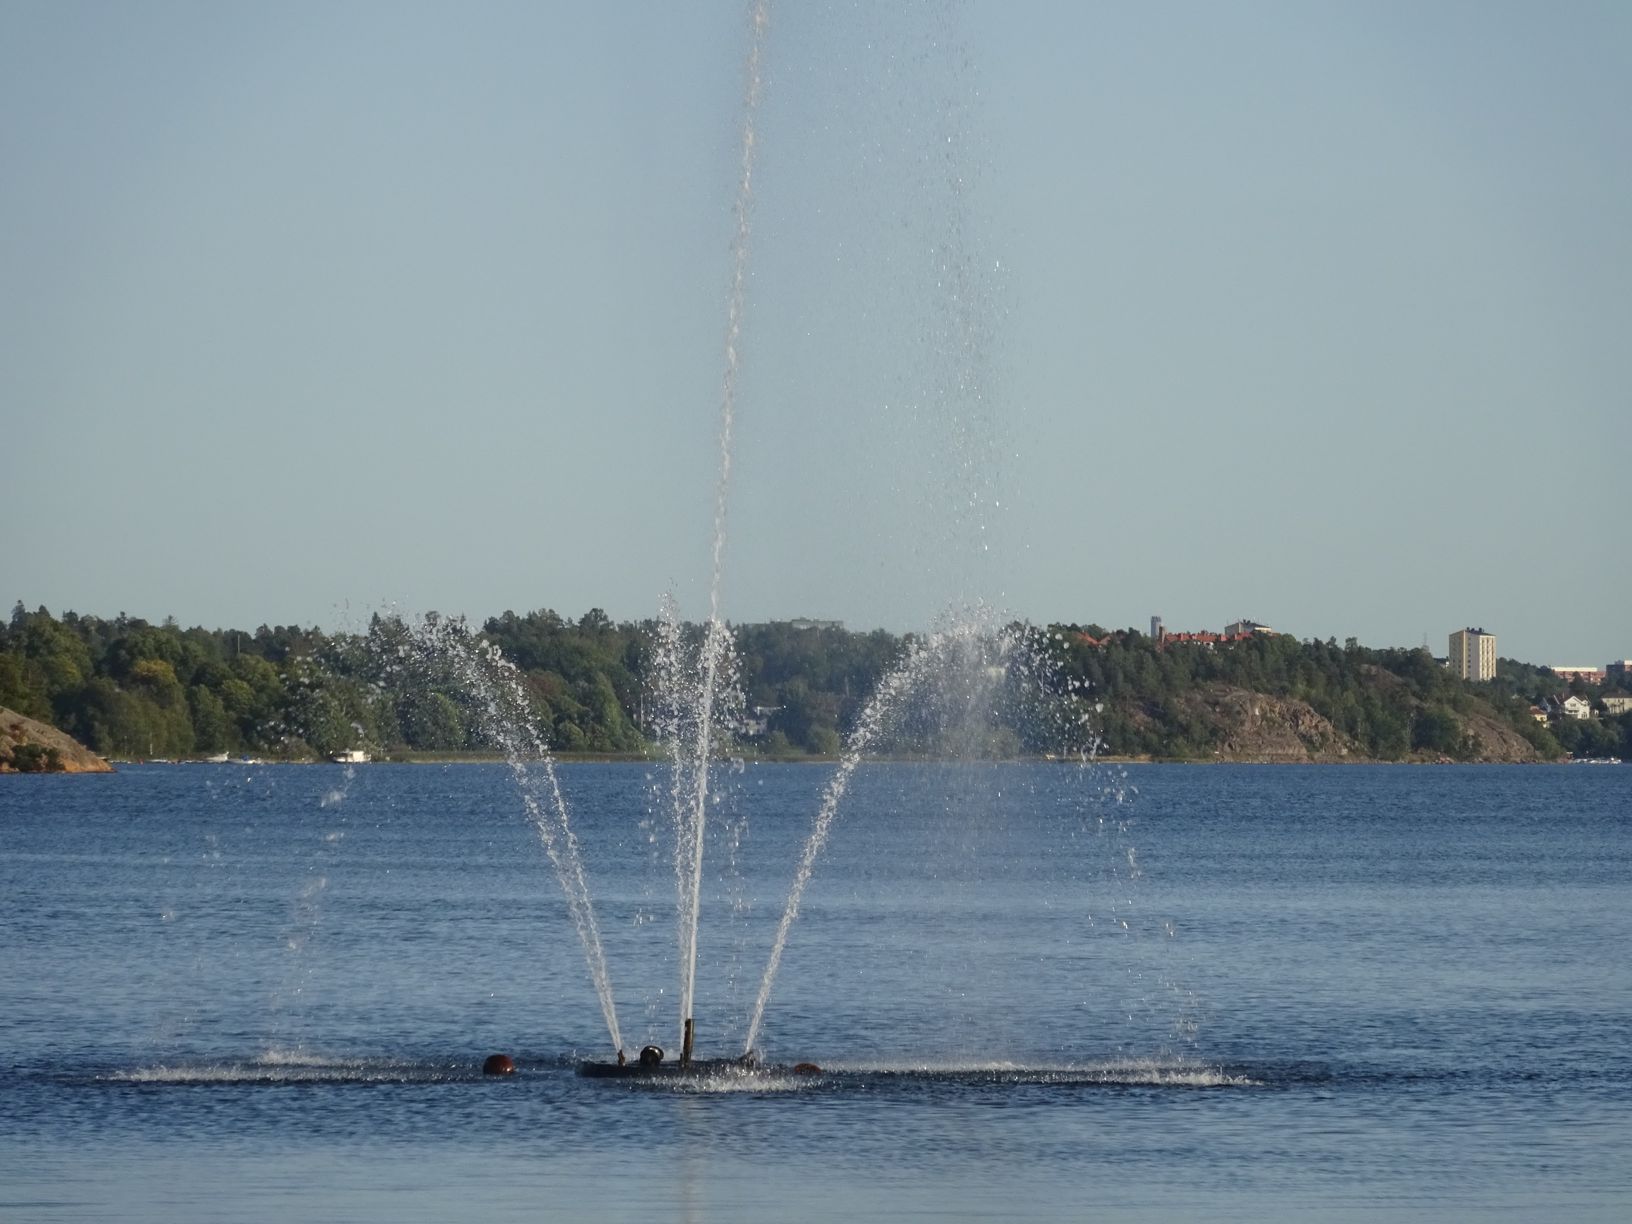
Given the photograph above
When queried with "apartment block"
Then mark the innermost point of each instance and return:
(1473, 654)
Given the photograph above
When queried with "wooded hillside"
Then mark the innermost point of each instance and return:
(131, 689)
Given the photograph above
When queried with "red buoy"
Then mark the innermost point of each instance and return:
(499, 1064)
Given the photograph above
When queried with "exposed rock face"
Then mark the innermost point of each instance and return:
(1257, 727)
(27, 746)
(1498, 742)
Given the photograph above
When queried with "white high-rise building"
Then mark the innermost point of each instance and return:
(1473, 654)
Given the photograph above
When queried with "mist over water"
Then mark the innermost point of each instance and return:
(875, 352)
(959, 649)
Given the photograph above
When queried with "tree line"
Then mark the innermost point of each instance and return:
(131, 689)
(1393, 703)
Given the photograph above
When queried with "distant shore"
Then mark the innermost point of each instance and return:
(595, 690)
(597, 758)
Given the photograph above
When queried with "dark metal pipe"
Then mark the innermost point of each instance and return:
(685, 1044)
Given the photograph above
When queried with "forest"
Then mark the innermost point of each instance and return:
(133, 690)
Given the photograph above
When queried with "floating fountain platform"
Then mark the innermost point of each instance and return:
(650, 1066)
(697, 1068)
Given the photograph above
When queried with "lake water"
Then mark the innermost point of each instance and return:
(1037, 992)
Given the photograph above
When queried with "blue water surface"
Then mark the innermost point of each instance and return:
(1035, 991)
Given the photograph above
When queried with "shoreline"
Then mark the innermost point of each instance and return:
(596, 758)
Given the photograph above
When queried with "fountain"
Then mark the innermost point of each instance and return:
(692, 711)
(695, 692)
(950, 678)
(972, 649)
(695, 695)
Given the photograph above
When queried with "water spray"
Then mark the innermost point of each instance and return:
(717, 641)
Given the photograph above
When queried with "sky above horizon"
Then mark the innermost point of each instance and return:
(1316, 314)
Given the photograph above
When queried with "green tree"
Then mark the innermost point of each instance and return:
(431, 722)
(23, 689)
(212, 727)
(1436, 730)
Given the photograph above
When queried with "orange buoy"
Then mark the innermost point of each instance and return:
(499, 1064)
(806, 1069)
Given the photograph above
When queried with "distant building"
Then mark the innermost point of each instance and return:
(1616, 704)
(1203, 638)
(1567, 705)
(803, 623)
(1473, 654)
(1156, 629)
(1240, 631)
(1587, 675)
(757, 721)
(1621, 669)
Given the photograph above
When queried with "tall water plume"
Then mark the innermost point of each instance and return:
(676, 685)
(717, 644)
(876, 355)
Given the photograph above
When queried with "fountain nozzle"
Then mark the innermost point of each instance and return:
(685, 1044)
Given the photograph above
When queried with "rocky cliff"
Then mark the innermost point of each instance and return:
(27, 746)
(1247, 726)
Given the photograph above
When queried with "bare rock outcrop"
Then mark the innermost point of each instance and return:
(29, 746)
(1258, 727)
(1497, 741)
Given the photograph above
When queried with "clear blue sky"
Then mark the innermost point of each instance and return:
(1317, 314)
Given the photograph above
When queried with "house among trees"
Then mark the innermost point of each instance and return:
(1203, 638)
(1567, 705)
(1616, 703)
(757, 721)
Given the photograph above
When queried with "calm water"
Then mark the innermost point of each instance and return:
(1037, 992)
